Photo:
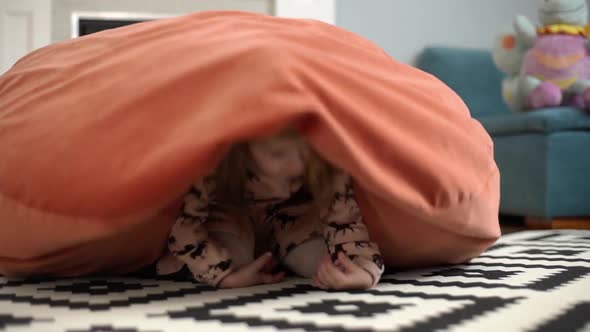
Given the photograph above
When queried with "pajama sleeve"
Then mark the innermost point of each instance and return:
(189, 242)
(345, 231)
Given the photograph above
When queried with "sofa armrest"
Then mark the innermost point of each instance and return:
(471, 73)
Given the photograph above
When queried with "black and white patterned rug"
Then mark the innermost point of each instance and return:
(529, 281)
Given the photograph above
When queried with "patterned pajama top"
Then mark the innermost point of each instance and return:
(278, 217)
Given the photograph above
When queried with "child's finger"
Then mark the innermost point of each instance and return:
(260, 262)
(270, 265)
(318, 283)
(331, 275)
(339, 266)
(268, 278)
(324, 260)
(347, 264)
(321, 282)
(279, 276)
(334, 271)
(323, 274)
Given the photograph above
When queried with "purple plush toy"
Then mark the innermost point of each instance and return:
(556, 70)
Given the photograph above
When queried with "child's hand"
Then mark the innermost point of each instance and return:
(345, 274)
(255, 273)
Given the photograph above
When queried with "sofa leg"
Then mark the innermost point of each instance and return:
(558, 223)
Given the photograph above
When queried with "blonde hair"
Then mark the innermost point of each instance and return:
(232, 174)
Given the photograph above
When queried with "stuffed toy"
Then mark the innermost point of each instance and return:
(508, 54)
(555, 68)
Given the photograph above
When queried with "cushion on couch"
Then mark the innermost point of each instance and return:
(545, 175)
(546, 121)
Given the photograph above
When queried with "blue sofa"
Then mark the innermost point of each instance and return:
(543, 156)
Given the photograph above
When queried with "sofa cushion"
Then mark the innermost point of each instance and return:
(544, 176)
(546, 120)
(471, 73)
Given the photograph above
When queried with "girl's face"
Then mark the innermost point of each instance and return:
(282, 157)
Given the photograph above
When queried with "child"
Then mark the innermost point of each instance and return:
(273, 197)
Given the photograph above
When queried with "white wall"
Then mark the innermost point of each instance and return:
(404, 27)
(401, 27)
(62, 9)
(24, 27)
(323, 10)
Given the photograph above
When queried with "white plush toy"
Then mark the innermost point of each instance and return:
(548, 65)
(508, 53)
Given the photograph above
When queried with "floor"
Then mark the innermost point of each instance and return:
(535, 281)
(511, 224)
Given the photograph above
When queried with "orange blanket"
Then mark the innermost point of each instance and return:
(99, 137)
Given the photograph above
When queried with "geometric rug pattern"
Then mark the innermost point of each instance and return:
(536, 281)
